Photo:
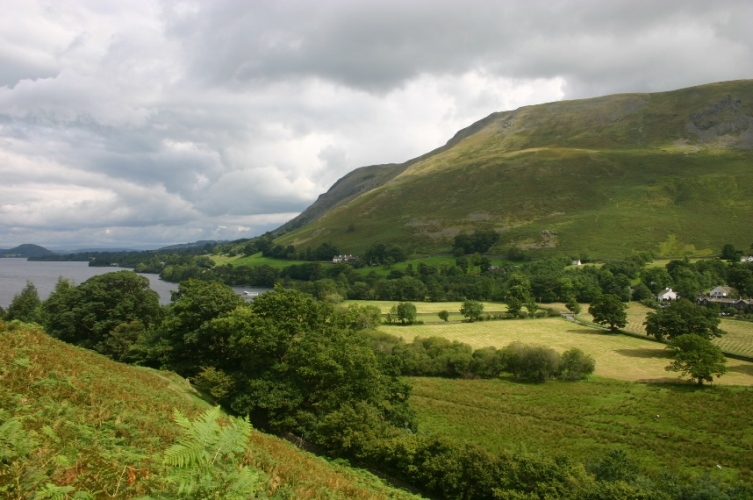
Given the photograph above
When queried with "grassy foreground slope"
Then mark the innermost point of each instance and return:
(102, 427)
(677, 428)
(666, 172)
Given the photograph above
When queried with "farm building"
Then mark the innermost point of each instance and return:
(343, 258)
(667, 294)
(720, 292)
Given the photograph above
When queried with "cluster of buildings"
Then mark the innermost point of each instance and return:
(721, 295)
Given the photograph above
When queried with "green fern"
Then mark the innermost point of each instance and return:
(208, 459)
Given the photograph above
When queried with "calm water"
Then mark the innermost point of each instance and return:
(15, 272)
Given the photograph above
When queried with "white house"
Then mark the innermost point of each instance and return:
(721, 292)
(343, 258)
(667, 294)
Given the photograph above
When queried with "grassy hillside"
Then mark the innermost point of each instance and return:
(667, 172)
(696, 429)
(73, 419)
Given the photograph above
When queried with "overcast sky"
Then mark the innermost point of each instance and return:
(140, 124)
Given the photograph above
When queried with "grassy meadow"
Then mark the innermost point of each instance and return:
(738, 338)
(696, 428)
(100, 426)
(620, 357)
(677, 428)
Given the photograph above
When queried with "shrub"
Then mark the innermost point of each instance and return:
(531, 362)
(576, 364)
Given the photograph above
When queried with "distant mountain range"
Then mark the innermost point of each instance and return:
(668, 172)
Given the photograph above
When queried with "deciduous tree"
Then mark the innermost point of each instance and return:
(472, 310)
(103, 312)
(609, 310)
(681, 317)
(25, 305)
(697, 357)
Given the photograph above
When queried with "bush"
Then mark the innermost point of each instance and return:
(531, 362)
(576, 364)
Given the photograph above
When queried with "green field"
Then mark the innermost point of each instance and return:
(255, 260)
(696, 429)
(428, 307)
(738, 338)
(620, 357)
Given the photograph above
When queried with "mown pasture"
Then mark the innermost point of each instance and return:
(663, 427)
(617, 356)
(738, 338)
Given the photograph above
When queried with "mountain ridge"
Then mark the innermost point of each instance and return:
(565, 178)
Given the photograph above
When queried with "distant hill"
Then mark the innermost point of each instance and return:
(668, 172)
(26, 250)
(186, 246)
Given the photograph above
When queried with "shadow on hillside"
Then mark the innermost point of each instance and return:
(645, 353)
(747, 369)
(589, 331)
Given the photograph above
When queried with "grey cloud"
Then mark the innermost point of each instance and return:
(164, 122)
(380, 46)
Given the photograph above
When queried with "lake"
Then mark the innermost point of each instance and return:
(14, 273)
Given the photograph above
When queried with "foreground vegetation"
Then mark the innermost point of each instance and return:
(74, 421)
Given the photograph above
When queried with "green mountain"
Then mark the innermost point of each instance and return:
(26, 250)
(668, 172)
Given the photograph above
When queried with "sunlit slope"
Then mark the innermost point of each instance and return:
(92, 424)
(668, 172)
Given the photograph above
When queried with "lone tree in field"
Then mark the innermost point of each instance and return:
(697, 357)
(404, 312)
(444, 315)
(472, 309)
(609, 310)
(683, 317)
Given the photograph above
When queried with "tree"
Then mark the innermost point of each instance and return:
(25, 305)
(573, 306)
(103, 312)
(444, 315)
(697, 357)
(681, 317)
(294, 359)
(532, 307)
(472, 310)
(404, 312)
(730, 253)
(609, 310)
(641, 292)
